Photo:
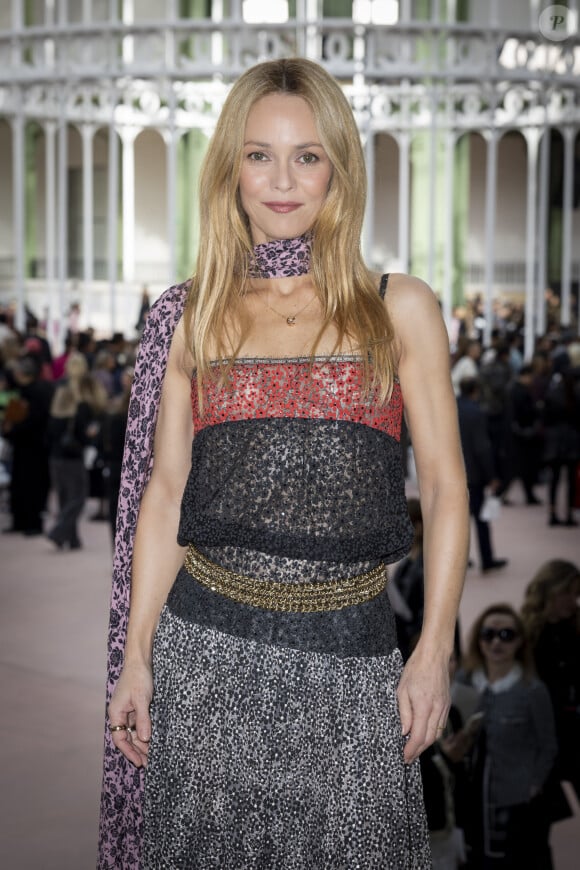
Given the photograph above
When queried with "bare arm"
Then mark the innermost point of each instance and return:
(157, 557)
(431, 415)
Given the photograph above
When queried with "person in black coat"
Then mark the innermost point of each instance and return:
(111, 444)
(525, 418)
(25, 427)
(479, 465)
(562, 428)
(552, 617)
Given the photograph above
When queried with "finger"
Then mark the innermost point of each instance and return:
(405, 710)
(142, 746)
(417, 740)
(142, 720)
(123, 742)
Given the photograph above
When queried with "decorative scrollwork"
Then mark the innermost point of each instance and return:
(468, 78)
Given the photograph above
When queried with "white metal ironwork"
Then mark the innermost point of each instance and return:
(172, 74)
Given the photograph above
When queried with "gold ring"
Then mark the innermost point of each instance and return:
(442, 728)
(118, 728)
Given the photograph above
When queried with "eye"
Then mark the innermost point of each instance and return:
(256, 156)
(308, 158)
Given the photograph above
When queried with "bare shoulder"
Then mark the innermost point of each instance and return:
(409, 297)
(414, 310)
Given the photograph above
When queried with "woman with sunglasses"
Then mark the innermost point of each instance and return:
(516, 747)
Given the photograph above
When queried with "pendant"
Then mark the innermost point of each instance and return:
(291, 321)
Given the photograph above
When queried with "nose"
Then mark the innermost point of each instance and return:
(283, 177)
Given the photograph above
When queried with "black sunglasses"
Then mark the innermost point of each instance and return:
(506, 635)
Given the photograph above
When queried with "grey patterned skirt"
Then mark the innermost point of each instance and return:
(265, 757)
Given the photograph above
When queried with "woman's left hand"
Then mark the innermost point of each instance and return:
(424, 701)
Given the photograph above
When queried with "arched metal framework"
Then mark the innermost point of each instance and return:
(172, 74)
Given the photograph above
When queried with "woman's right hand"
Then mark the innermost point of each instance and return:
(129, 706)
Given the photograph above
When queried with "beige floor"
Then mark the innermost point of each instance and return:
(53, 616)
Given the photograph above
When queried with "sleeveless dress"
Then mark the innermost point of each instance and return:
(276, 740)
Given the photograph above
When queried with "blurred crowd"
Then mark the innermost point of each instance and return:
(63, 420)
(493, 781)
(526, 412)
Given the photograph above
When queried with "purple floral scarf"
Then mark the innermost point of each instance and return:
(121, 814)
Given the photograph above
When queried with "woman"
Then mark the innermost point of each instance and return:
(110, 444)
(274, 738)
(552, 617)
(562, 438)
(466, 363)
(74, 413)
(516, 748)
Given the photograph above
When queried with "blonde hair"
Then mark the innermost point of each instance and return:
(556, 575)
(80, 386)
(75, 367)
(346, 288)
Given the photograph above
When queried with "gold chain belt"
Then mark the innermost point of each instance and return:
(289, 597)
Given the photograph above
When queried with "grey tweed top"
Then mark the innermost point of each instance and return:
(520, 737)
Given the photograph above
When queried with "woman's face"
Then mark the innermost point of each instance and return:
(499, 639)
(285, 169)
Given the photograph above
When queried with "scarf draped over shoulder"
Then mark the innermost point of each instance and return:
(121, 813)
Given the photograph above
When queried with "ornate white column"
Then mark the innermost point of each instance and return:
(87, 133)
(369, 221)
(569, 135)
(311, 13)
(431, 206)
(18, 215)
(532, 139)
(53, 325)
(128, 135)
(490, 207)
(542, 281)
(128, 17)
(112, 214)
(448, 204)
(404, 140)
(171, 138)
(17, 24)
(217, 40)
(62, 216)
(448, 250)
(18, 182)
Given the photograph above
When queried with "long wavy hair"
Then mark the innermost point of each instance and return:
(554, 576)
(474, 657)
(80, 386)
(345, 286)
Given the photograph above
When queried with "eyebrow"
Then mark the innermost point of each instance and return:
(298, 147)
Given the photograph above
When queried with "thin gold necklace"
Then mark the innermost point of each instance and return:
(291, 318)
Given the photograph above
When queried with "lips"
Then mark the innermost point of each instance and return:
(282, 207)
